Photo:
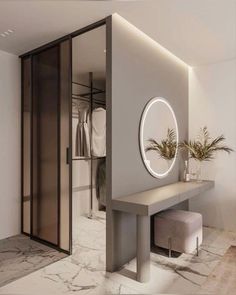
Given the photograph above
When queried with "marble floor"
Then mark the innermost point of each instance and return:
(20, 256)
(84, 271)
(222, 279)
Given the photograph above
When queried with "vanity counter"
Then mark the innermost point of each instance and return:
(158, 199)
(150, 202)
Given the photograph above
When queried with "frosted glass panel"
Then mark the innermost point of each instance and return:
(65, 104)
(46, 145)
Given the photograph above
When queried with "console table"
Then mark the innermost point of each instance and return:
(147, 203)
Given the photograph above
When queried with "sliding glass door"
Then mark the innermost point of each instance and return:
(50, 156)
(45, 149)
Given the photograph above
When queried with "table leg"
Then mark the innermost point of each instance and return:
(143, 248)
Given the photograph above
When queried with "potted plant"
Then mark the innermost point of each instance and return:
(204, 148)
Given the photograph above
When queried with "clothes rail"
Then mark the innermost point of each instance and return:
(88, 158)
(89, 93)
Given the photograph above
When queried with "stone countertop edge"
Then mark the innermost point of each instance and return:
(130, 205)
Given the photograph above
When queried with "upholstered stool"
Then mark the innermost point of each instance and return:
(178, 230)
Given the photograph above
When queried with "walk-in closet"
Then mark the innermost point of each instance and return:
(89, 125)
(64, 137)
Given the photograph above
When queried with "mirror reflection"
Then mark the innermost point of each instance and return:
(158, 137)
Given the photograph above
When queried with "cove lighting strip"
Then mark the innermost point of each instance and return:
(146, 38)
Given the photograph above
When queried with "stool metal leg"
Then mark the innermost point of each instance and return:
(197, 246)
(169, 246)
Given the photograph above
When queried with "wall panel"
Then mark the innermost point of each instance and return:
(140, 70)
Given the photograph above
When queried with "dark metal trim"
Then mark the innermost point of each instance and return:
(44, 47)
(22, 147)
(49, 244)
(59, 147)
(70, 150)
(31, 143)
(91, 136)
(68, 156)
(64, 38)
(89, 28)
(88, 158)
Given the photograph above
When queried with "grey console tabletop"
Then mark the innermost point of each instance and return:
(150, 202)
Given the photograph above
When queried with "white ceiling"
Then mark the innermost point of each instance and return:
(197, 31)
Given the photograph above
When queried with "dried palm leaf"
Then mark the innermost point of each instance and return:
(205, 148)
(166, 149)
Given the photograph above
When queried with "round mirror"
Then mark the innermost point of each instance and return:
(158, 137)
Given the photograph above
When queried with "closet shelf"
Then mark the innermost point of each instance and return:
(89, 93)
(88, 158)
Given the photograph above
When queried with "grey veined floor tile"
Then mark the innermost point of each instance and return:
(84, 271)
(20, 256)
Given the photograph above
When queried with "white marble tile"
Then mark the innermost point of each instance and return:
(20, 256)
(84, 271)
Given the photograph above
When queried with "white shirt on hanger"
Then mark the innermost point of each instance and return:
(99, 132)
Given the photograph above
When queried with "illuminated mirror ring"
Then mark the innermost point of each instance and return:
(158, 126)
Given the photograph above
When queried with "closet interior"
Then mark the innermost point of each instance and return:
(89, 123)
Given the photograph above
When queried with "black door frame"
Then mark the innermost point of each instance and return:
(32, 236)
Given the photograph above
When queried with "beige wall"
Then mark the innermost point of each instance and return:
(10, 143)
(212, 102)
(141, 70)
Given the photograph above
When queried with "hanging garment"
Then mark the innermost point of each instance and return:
(82, 148)
(99, 132)
(101, 183)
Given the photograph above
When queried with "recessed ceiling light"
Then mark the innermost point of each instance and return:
(6, 33)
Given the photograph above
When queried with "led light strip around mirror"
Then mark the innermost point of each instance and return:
(141, 135)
